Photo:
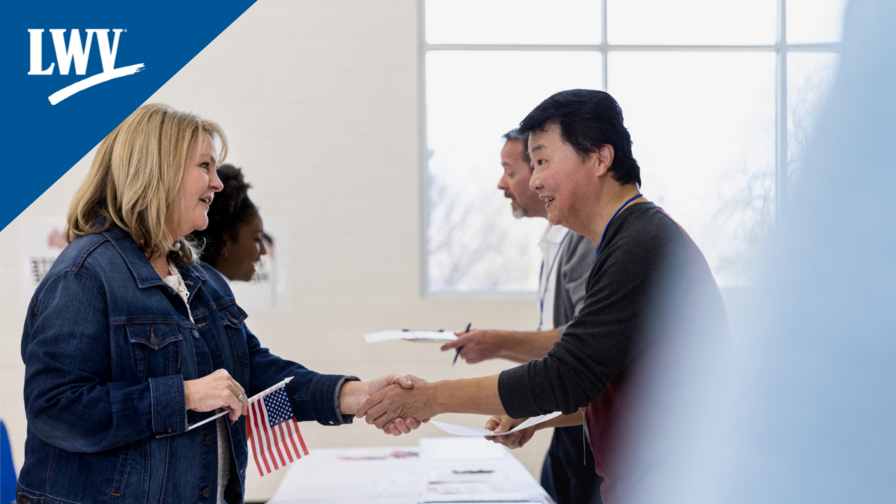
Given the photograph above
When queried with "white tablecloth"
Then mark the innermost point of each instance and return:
(445, 470)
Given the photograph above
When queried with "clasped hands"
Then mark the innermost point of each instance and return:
(399, 406)
(396, 409)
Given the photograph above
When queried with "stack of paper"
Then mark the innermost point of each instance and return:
(463, 430)
(433, 336)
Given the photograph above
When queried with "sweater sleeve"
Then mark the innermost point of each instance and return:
(634, 290)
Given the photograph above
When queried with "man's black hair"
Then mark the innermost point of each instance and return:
(588, 120)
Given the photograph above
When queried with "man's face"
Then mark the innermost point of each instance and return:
(515, 182)
(560, 179)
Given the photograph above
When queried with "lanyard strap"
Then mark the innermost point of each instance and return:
(604, 235)
(547, 281)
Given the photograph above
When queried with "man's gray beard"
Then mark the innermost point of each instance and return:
(519, 213)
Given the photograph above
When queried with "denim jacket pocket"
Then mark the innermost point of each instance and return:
(155, 349)
(232, 318)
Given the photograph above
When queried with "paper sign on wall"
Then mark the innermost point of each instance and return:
(42, 240)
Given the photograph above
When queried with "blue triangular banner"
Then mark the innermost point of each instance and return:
(72, 71)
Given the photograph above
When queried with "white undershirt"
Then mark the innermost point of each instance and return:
(176, 282)
(549, 245)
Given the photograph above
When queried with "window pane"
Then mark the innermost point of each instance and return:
(814, 21)
(472, 98)
(809, 78)
(691, 22)
(703, 126)
(513, 22)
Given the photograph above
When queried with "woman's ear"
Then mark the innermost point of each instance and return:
(224, 247)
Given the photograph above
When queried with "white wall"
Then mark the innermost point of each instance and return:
(319, 101)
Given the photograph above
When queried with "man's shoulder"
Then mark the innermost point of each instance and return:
(645, 236)
(647, 223)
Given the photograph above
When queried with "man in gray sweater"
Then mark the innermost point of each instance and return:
(642, 360)
(566, 261)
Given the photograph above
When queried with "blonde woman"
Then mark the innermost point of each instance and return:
(129, 339)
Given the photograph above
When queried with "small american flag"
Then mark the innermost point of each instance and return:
(274, 432)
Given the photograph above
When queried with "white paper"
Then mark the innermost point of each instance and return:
(461, 476)
(463, 430)
(433, 336)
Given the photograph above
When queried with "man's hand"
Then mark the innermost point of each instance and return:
(394, 403)
(400, 425)
(505, 424)
(354, 394)
(479, 344)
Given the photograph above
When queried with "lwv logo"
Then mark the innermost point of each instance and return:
(79, 54)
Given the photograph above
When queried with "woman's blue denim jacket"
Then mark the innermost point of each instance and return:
(107, 346)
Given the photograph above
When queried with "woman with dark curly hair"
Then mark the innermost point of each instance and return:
(234, 239)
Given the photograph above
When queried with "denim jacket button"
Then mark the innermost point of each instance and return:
(206, 492)
(195, 333)
(208, 439)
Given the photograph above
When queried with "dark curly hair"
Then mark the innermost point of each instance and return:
(230, 208)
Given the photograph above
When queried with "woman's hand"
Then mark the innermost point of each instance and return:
(504, 424)
(217, 390)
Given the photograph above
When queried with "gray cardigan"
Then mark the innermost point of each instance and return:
(572, 278)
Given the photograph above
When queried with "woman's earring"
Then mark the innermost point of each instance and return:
(224, 253)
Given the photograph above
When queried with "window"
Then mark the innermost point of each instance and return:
(719, 96)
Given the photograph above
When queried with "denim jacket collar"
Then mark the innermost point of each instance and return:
(140, 267)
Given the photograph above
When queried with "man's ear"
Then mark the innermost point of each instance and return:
(602, 160)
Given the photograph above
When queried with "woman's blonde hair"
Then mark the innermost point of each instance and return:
(134, 180)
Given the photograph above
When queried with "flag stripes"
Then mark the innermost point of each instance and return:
(277, 446)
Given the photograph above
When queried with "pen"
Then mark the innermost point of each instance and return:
(460, 347)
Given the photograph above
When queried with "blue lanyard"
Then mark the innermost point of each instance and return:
(547, 281)
(611, 221)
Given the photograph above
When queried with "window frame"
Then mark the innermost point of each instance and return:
(781, 49)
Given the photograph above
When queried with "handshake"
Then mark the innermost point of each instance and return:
(398, 404)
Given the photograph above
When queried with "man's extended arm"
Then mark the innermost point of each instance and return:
(517, 346)
(425, 400)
